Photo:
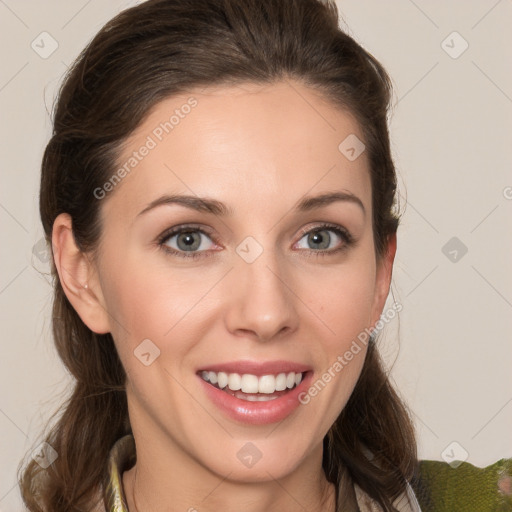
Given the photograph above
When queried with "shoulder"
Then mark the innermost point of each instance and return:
(406, 502)
(443, 487)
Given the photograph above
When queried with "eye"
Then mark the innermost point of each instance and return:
(186, 239)
(326, 239)
(192, 242)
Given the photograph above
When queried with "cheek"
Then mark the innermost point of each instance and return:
(153, 311)
(145, 301)
(343, 299)
(148, 300)
(344, 308)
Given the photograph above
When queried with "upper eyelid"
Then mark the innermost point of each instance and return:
(177, 230)
(327, 226)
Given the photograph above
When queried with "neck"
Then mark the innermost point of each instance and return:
(164, 478)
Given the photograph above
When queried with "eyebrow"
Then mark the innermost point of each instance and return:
(203, 204)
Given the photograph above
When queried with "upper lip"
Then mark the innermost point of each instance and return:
(257, 368)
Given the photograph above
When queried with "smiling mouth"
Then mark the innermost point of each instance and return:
(252, 388)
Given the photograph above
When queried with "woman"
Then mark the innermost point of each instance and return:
(219, 196)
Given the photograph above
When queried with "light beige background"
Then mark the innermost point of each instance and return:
(451, 133)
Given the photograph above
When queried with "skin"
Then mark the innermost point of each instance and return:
(258, 149)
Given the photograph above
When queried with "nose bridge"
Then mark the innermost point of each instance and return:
(261, 301)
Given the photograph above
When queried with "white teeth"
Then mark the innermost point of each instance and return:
(267, 384)
(281, 382)
(254, 398)
(234, 381)
(222, 380)
(248, 383)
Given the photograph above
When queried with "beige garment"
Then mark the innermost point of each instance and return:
(404, 503)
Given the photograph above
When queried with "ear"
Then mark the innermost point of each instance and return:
(383, 279)
(78, 277)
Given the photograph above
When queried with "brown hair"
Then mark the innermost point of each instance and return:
(143, 55)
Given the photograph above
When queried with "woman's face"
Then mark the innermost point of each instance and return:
(266, 280)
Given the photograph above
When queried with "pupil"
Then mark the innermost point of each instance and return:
(318, 238)
(188, 240)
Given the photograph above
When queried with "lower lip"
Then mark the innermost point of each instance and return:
(257, 413)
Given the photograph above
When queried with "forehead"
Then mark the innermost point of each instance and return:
(242, 144)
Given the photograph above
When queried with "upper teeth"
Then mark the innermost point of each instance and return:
(249, 383)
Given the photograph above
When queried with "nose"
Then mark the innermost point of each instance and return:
(262, 303)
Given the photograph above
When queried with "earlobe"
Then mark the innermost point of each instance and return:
(78, 277)
(383, 278)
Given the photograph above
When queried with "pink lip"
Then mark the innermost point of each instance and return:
(256, 413)
(257, 368)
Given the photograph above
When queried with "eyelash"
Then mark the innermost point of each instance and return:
(341, 232)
